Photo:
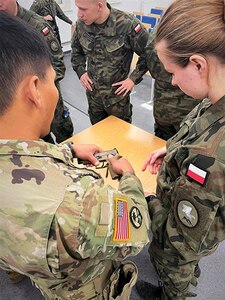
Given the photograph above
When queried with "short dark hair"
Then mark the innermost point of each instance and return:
(23, 52)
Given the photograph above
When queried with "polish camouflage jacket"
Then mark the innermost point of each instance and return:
(61, 225)
(108, 51)
(171, 105)
(189, 212)
(50, 7)
(45, 29)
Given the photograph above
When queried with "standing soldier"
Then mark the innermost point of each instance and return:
(62, 126)
(49, 9)
(170, 104)
(106, 39)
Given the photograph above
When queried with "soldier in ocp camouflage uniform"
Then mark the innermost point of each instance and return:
(170, 104)
(105, 39)
(188, 211)
(60, 225)
(49, 9)
(62, 126)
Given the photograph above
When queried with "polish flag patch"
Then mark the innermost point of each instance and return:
(196, 174)
(137, 28)
(45, 31)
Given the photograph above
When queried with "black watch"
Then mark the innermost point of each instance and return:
(70, 145)
(150, 198)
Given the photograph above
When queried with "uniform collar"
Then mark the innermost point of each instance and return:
(20, 10)
(35, 148)
(110, 27)
(200, 119)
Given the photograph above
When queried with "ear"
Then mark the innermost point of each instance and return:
(33, 91)
(100, 6)
(200, 63)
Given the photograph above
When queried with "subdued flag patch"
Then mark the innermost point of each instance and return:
(196, 174)
(122, 225)
(45, 31)
(137, 28)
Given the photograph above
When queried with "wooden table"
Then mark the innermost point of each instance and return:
(131, 142)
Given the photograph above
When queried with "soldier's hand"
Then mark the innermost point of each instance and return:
(86, 152)
(48, 18)
(154, 161)
(86, 81)
(125, 86)
(120, 166)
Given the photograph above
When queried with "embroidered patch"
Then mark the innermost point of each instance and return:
(121, 226)
(45, 31)
(196, 174)
(54, 46)
(136, 217)
(187, 213)
(137, 28)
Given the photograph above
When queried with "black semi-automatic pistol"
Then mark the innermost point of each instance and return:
(102, 157)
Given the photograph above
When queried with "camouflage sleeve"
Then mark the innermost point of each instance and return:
(60, 14)
(55, 50)
(36, 7)
(198, 205)
(101, 224)
(138, 39)
(154, 65)
(78, 58)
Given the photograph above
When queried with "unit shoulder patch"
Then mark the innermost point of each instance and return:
(54, 46)
(187, 213)
(136, 217)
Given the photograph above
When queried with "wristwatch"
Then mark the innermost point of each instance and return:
(70, 145)
(150, 198)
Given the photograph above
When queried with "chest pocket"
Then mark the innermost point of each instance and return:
(115, 49)
(87, 43)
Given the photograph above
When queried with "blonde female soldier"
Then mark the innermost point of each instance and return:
(188, 211)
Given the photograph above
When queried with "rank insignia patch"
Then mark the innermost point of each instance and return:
(136, 217)
(121, 226)
(187, 213)
(196, 174)
(45, 31)
(137, 28)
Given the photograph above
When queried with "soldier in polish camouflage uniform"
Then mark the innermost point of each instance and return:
(62, 126)
(49, 9)
(188, 211)
(105, 39)
(170, 104)
(60, 225)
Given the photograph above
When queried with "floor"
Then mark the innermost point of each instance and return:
(212, 280)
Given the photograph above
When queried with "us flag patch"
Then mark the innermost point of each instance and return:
(196, 174)
(137, 28)
(122, 225)
(45, 30)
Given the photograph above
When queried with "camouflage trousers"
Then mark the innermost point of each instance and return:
(62, 126)
(98, 110)
(176, 270)
(165, 131)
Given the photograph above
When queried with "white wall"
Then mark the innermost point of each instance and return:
(126, 5)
